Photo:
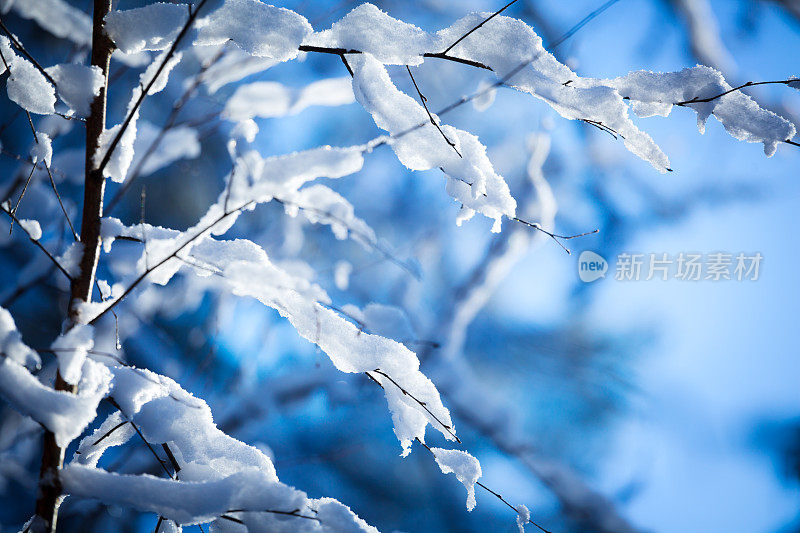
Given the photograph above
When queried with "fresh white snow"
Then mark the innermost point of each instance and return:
(466, 468)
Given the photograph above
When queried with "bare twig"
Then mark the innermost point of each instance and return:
(697, 100)
(109, 432)
(555, 236)
(60, 202)
(21, 196)
(424, 101)
(21, 49)
(493, 15)
(581, 23)
(142, 228)
(171, 457)
(602, 127)
(347, 65)
(37, 243)
(487, 489)
(454, 59)
(49, 175)
(341, 52)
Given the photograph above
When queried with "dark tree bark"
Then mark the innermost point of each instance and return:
(50, 494)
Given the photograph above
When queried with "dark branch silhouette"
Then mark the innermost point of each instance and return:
(424, 102)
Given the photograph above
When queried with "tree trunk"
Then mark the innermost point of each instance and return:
(50, 496)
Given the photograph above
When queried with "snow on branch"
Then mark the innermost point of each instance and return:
(466, 468)
(115, 151)
(414, 404)
(474, 182)
(216, 478)
(65, 415)
(57, 17)
(11, 345)
(266, 99)
(704, 90)
(34, 88)
(515, 53)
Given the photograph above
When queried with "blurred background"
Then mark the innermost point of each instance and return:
(606, 406)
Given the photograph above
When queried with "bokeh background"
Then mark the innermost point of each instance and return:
(651, 405)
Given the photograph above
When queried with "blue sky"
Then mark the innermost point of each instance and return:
(725, 361)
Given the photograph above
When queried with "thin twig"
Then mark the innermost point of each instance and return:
(420, 402)
(30, 175)
(60, 202)
(602, 127)
(375, 245)
(132, 112)
(454, 59)
(581, 23)
(171, 457)
(341, 52)
(697, 100)
(21, 196)
(493, 15)
(327, 50)
(37, 243)
(347, 65)
(424, 101)
(554, 236)
(481, 485)
(18, 46)
(295, 513)
(144, 274)
(170, 123)
(109, 432)
(142, 228)
(138, 431)
(33, 130)
(489, 490)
